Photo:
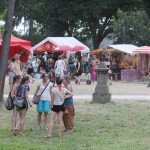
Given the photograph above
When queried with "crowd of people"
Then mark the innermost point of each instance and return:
(58, 100)
(55, 90)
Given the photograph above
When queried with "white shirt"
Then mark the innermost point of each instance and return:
(60, 64)
(58, 94)
(45, 58)
(46, 94)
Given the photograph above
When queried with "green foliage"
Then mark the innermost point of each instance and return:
(147, 6)
(2, 9)
(79, 18)
(132, 28)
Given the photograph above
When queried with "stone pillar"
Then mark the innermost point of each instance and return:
(101, 94)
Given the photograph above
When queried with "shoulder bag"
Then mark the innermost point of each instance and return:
(37, 98)
(19, 102)
(9, 103)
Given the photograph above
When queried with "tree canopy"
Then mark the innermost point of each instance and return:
(79, 18)
(90, 19)
(132, 27)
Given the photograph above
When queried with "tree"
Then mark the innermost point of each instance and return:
(80, 18)
(147, 6)
(132, 28)
(6, 43)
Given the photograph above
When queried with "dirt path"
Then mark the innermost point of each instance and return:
(117, 88)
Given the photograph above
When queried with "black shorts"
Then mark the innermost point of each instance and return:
(25, 106)
(58, 108)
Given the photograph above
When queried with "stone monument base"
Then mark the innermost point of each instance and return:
(101, 98)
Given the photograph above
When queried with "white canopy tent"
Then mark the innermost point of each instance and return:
(128, 48)
(58, 41)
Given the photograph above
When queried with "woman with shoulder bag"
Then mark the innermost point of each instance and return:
(43, 105)
(21, 101)
(58, 95)
(16, 82)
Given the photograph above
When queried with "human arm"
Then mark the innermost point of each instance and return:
(68, 93)
(52, 99)
(27, 98)
(97, 62)
(55, 65)
(13, 92)
(36, 91)
(78, 67)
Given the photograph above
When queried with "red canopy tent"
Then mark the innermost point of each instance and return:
(18, 46)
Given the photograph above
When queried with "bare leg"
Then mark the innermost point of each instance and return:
(60, 121)
(22, 114)
(45, 119)
(52, 118)
(39, 119)
(17, 125)
(79, 80)
(13, 119)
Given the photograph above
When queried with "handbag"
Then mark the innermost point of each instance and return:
(9, 103)
(37, 98)
(19, 102)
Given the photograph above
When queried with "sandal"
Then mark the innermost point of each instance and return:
(22, 134)
(47, 137)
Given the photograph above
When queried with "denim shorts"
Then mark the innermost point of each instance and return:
(43, 106)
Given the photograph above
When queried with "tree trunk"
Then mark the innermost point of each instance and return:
(5, 45)
(31, 29)
(31, 5)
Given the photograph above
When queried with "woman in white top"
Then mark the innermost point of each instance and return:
(59, 67)
(43, 105)
(58, 95)
(16, 65)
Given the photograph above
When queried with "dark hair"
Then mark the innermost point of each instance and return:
(79, 59)
(59, 58)
(24, 79)
(63, 56)
(13, 59)
(43, 75)
(17, 77)
(58, 81)
(90, 59)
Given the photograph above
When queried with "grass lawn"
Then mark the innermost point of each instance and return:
(113, 126)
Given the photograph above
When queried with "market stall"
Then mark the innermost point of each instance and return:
(143, 53)
(126, 60)
(50, 44)
(53, 47)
